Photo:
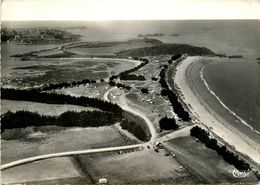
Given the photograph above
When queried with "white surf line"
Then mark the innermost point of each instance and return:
(226, 107)
(70, 153)
(208, 119)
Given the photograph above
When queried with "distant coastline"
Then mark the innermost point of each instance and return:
(37, 36)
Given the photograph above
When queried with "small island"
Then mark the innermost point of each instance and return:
(151, 35)
(37, 36)
(235, 56)
(175, 35)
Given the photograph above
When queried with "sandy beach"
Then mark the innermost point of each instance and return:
(206, 109)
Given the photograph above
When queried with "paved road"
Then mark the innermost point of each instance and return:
(71, 153)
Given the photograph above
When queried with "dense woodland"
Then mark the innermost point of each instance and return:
(173, 98)
(23, 119)
(168, 124)
(227, 155)
(52, 98)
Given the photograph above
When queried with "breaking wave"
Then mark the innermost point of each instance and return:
(226, 107)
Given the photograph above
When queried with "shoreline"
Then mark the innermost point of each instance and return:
(202, 112)
(223, 104)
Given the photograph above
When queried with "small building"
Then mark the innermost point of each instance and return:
(103, 181)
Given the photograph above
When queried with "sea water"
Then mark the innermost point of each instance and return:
(237, 84)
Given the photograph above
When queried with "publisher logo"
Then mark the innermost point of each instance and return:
(240, 174)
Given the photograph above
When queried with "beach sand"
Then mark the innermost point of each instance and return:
(205, 108)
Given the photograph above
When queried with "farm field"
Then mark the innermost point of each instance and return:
(145, 166)
(34, 141)
(45, 170)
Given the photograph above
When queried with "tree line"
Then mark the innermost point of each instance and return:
(174, 58)
(44, 97)
(52, 86)
(211, 143)
(173, 98)
(132, 77)
(125, 74)
(120, 85)
(23, 119)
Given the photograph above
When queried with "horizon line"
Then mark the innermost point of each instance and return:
(99, 20)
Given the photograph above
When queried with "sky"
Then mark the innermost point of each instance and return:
(129, 9)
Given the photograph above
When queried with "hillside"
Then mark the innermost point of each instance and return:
(165, 49)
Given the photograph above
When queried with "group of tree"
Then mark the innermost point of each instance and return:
(173, 98)
(168, 124)
(132, 77)
(174, 58)
(23, 119)
(135, 129)
(35, 95)
(211, 143)
(144, 91)
(120, 85)
(154, 78)
(52, 86)
(125, 74)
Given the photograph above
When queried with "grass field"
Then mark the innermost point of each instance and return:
(46, 70)
(48, 169)
(145, 166)
(22, 143)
